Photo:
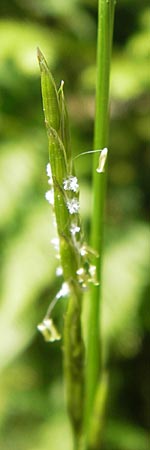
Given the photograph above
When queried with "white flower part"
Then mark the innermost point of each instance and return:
(49, 174)
(62, 83)
(59, 271)
(48, 170)
(82, 277)
(55, 242)
(50, 197)
(83, 251)
(71, 184)
(54, 221)
(102, 160)
(49, 331)
(92, 270)
(80, 271)
(74, 229)
(73, 205)
(92, 273)
(64, 291)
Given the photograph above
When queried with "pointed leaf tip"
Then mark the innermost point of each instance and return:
(39, 55)
(42, 61)
(49, 94)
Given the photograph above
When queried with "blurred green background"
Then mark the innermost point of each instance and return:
(32, 411)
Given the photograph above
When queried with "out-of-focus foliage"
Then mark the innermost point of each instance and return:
(32, 408)
(133, 58)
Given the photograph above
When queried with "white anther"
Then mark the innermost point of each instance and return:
(83, 251)
(55, 242)
(64, 291)
(80, 271)
(92, 274)
(59, 271)
(74, 229)
(82, 277)
(50, 333)
(92, 270)
(62, 83)
(48, 170)
(102, 160)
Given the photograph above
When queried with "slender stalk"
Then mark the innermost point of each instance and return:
(98, 417)
(104, 44)
(74, 363)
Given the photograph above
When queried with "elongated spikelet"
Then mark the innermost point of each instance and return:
(74, 256)
(49, 94)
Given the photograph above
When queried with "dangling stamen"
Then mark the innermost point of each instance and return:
(49, 331)
(102, 160)
(47, 327)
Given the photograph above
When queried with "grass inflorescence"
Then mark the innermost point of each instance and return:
(75, 256)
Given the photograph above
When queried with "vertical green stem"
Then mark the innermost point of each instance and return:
(104, 44)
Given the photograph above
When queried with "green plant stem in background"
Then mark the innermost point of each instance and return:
(98, 417)
(104, 44)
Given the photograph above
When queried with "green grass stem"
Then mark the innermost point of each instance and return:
(104, 44)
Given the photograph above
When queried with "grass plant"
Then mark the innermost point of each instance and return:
(86, 384)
